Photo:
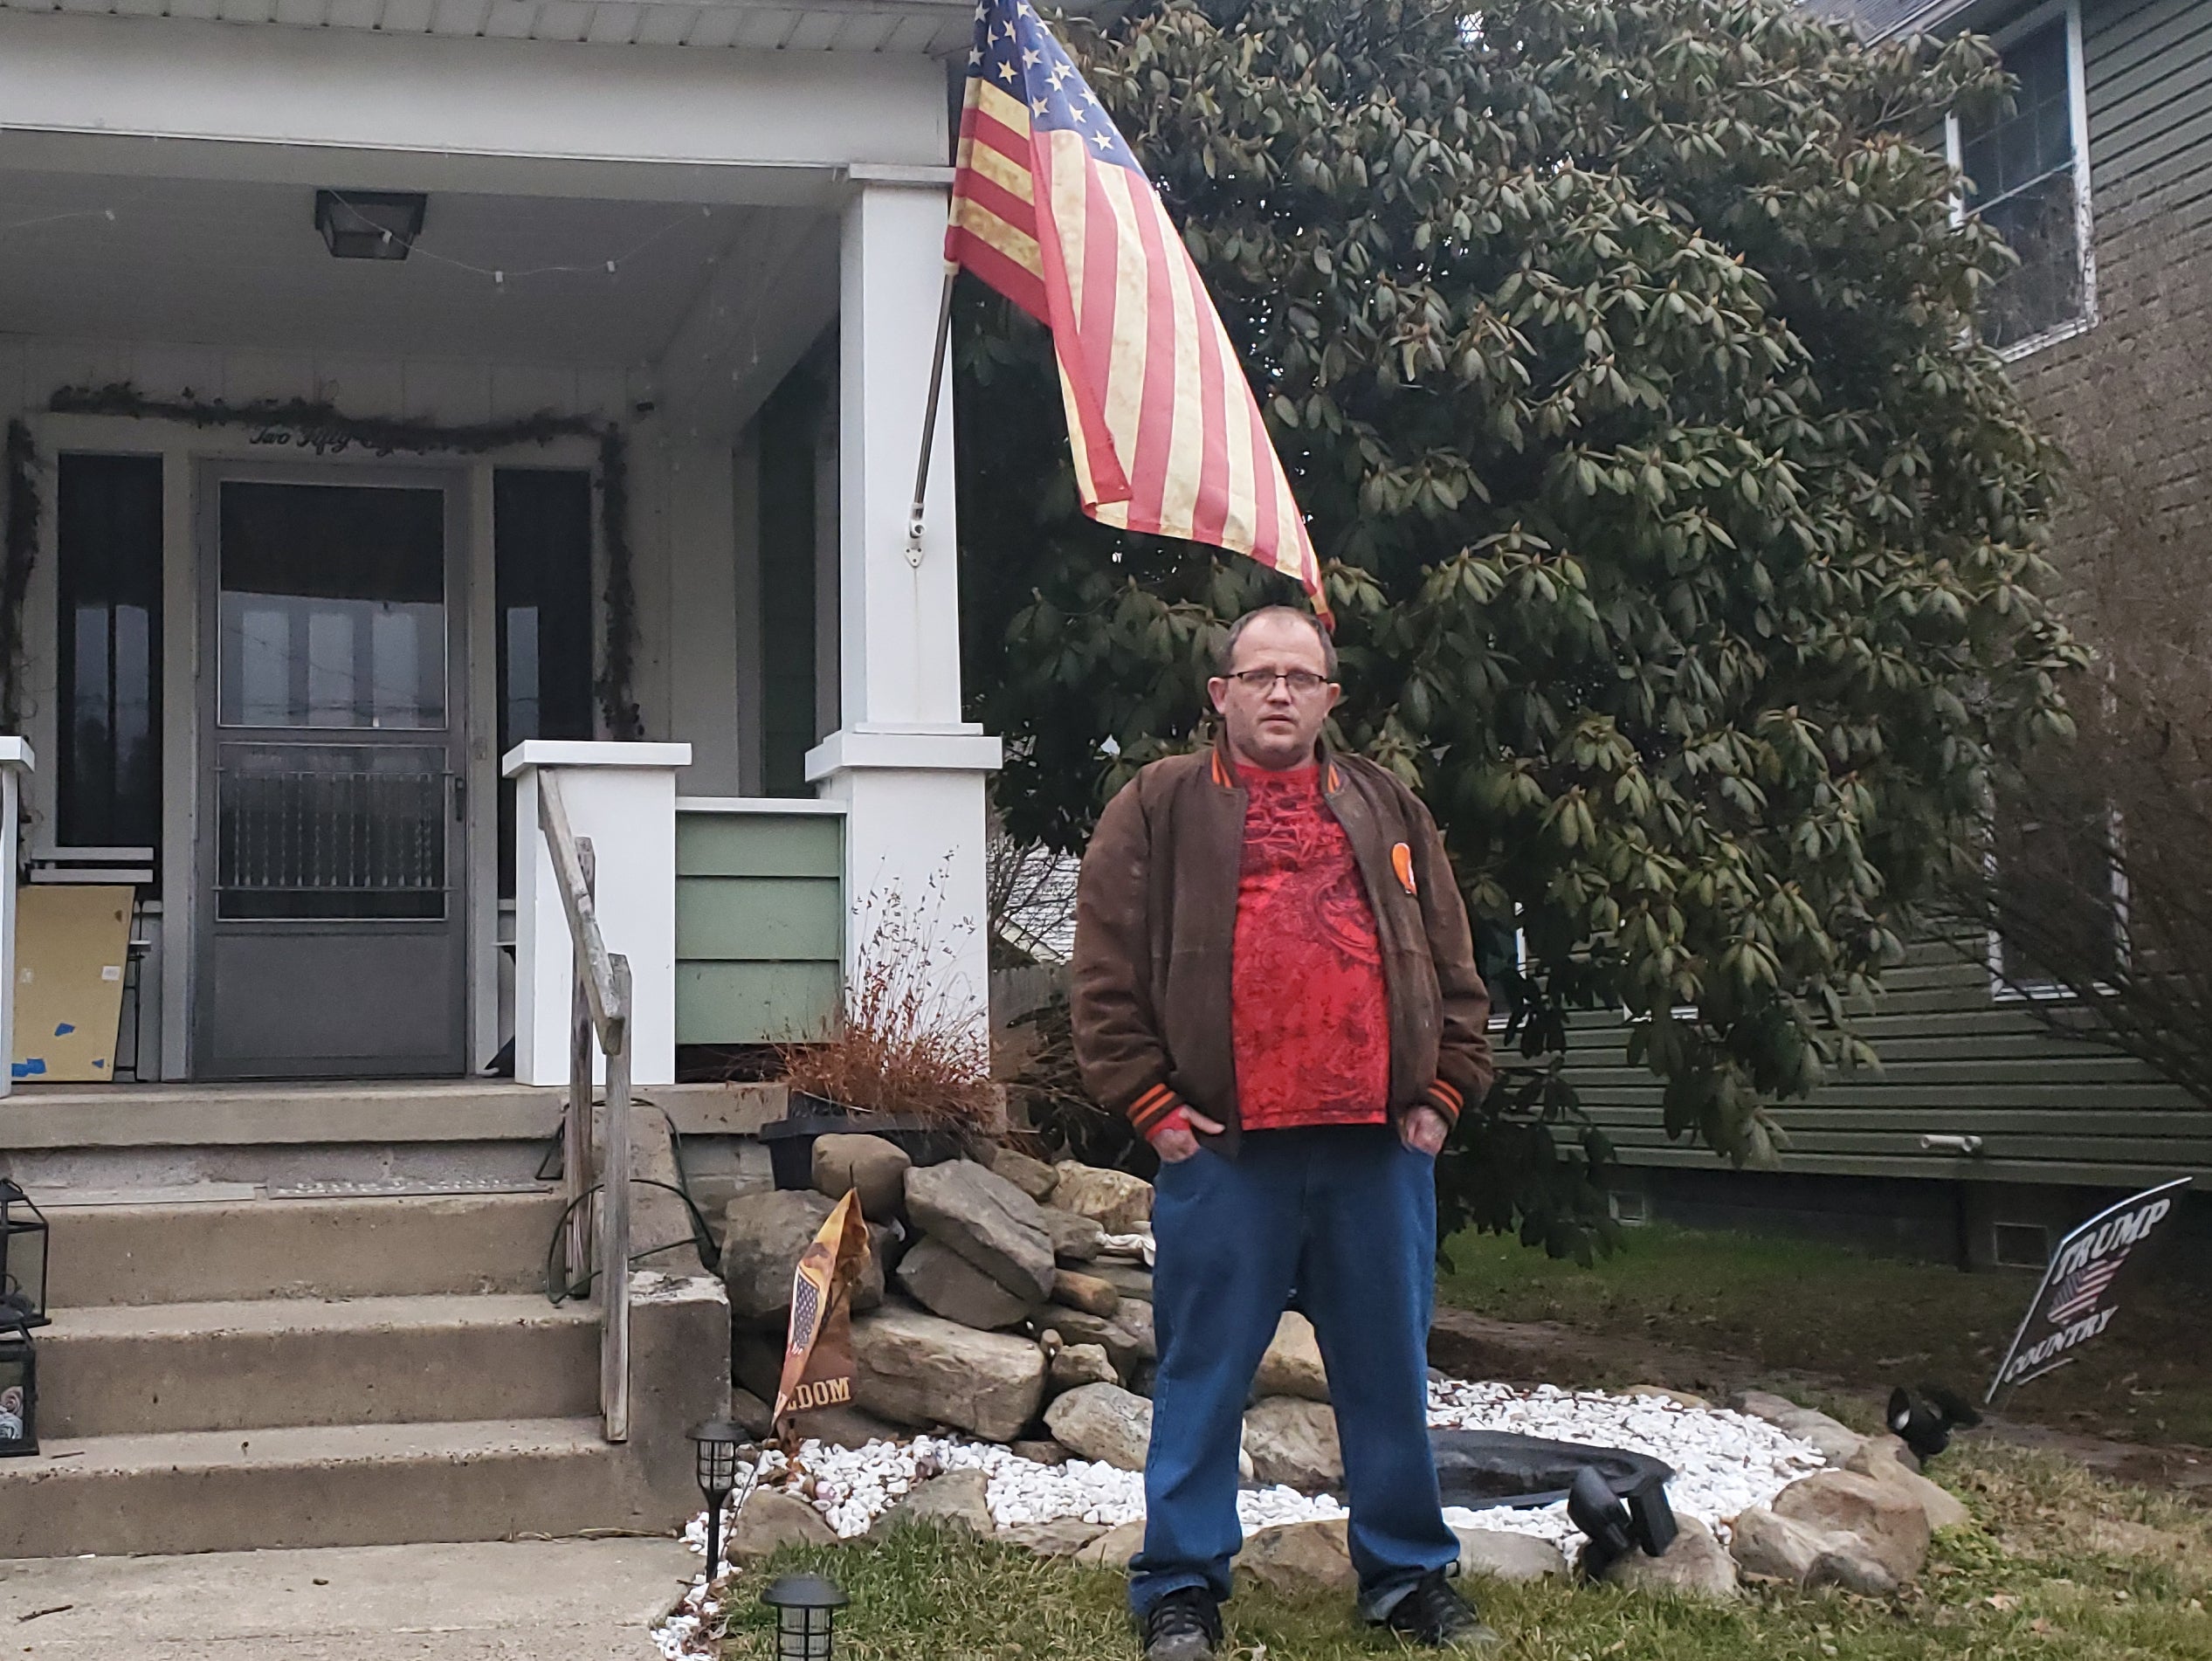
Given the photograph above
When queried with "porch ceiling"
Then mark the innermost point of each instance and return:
(239, 264)
(818, 25)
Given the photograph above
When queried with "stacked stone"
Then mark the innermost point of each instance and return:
(985, 1298)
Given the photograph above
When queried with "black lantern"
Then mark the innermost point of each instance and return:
(23, 1261)
(369, 224)
(805, 1606)
(19, 1396)
(723, 1462)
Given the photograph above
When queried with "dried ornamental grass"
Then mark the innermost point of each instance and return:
(901, 1043)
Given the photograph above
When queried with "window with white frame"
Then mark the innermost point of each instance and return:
(2027, 168)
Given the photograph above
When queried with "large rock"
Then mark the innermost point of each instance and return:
(1053, 1537)
(1033, 1176)
(1697, 1565)
(1295, 1557)
(957, 1499)
(987, 1221)
(1130, 1279)
(1504, 1556)
(762, 1237)
(940, 1279)
(1102, 1421)
(1294, 1441)
(844, 1426)
(1075, 1240)
(922, 1369)
(1081, 1364)
(1889, 1520)
(1129, 1345)
(1086, 1292)
(749, 1413)
(873, 1166)
(1805, 1555)
(1113, 1548)
(770, 1519)
(1292, 1363)
(1117, 1202)
(1884, 1459)
(1836, 1442)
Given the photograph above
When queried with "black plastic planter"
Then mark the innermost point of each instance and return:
(790, 1138)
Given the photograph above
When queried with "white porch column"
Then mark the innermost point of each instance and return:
(623, 796)
(910, 772)
(16, 760)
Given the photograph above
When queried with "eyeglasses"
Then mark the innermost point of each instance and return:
(1300, 681)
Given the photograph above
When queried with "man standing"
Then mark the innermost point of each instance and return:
(1275, 980)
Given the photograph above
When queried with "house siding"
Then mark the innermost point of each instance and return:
(1956, 1060)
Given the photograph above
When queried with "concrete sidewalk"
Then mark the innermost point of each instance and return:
(564, 1599)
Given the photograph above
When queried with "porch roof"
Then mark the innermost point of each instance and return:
(931, 26)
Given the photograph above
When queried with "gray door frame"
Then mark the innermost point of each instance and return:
(451, 1058)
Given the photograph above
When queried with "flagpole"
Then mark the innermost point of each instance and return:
(929, 417)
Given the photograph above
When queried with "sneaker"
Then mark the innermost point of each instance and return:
(1434, 1616)
(1183, 1626)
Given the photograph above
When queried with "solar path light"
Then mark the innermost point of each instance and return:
(722, 1460)
(805, 1607)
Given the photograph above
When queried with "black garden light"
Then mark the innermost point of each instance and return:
(723, 1461)
(23, 1262)
(805, 1607)
(1924, 1419)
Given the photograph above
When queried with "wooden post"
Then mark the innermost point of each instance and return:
(614, 1244)
(575, 1124)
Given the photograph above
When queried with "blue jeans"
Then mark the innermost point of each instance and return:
(1348, 1216)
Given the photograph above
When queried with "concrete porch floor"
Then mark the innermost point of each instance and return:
(558, 1599)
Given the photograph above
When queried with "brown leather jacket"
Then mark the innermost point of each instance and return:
(1156, 924)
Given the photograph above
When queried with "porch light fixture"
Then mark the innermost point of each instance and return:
(369, 224)
(723, 1462)
(806, 1607)
(23, 1262)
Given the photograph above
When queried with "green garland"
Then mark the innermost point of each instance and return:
(320, 429)
(18, 548)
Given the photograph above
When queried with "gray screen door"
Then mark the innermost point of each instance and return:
(332, 845)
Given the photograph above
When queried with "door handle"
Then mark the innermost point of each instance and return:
(460, 797)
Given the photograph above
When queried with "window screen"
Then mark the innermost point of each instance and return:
(108, 530)
(2020, 168)
(542, 540)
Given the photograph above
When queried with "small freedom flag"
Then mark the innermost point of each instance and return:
(1050, 209)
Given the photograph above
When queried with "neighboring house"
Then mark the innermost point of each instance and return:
(396, 382)
(1986, 1128)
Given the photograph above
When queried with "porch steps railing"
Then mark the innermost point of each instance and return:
(601, 1009)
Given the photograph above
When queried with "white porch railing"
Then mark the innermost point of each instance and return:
(600, 1009)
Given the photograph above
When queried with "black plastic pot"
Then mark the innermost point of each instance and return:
(790, 1138)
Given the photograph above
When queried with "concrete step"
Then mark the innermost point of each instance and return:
(127, 1370)
(323, 1486)
(104, 1255)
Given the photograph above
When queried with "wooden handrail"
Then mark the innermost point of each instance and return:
(600, 1006)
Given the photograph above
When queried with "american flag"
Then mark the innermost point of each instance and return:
(2077, 1292)
(1050, 209)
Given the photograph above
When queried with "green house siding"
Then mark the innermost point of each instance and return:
(1957, 1060)
(2147, 81)
(759, 925)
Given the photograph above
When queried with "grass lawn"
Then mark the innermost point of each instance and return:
(1871, 1321)
(2057, 1567)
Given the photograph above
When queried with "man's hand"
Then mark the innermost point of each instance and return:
(1424, 1130)
(1174, 1142)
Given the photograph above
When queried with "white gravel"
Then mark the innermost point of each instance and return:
(1725, 1463)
